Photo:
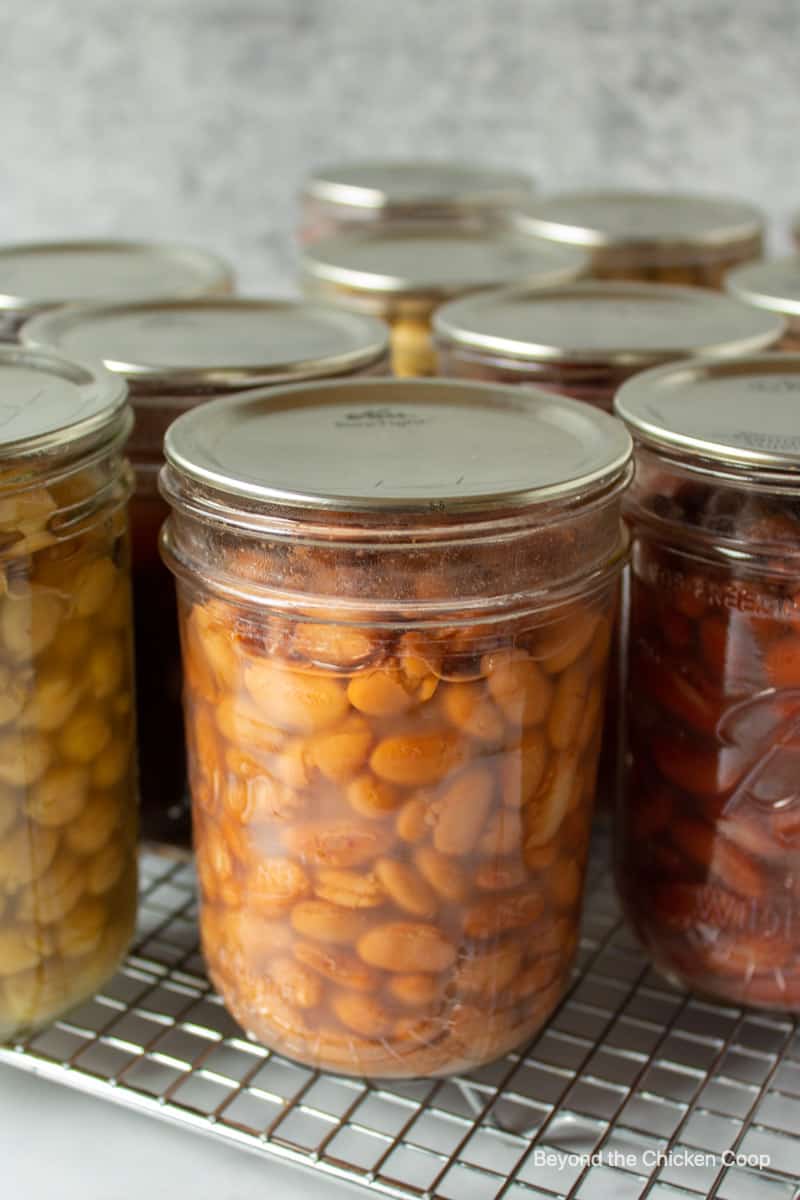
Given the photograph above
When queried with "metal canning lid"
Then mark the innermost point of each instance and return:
(47, 402)
(740, 412)
(418, 185)
(214, 344)
(398, 446)
(435, 261)
(773, 284)
(612, 220)
(44, 275)
(616, 322)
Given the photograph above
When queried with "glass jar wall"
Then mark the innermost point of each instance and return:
(662, 237)
(38, 276)
(395, 643)
(709, 831)
(403, 272)
(343, 196)
(175, 356)
(772, 286)
(67, 754)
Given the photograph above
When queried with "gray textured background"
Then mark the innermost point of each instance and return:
(197, 118)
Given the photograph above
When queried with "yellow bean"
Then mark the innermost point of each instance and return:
(27, 510)
(499, 914)
(412, 819)
(502, 834)
(414, 991)
(13, 695)
(94, 587)
(544, 816)
(523, 767)
(8, 808)
(105, 868)
(296, 984)
(72, 644)
(106, 667)
(89, 832)
(241, 722)
(342, 843)
(461, 812)
(85, 735)
(592, 716)
(29, 623)
(331, 645)
(350, 889)
(491, 972)
(59, 797)
(564, 643)
(276, 883)
(338, 966)
(24, 758)
(467, 706)
(55, 697)
(406, 887)
(25, 855)
(207, 628)
(372, 797)
(446, 877)
(21, 947)
(365, 1015)
(81, 930)
(296, 701)
(414, 760)
(342, 752)
(51, 897)
(519, 687)
(112, 764)
(324, 922)
(381, 693)
(566, 713)
(407, 947)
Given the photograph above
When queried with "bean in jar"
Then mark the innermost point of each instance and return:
(38, 276)
(709, 849)
(772, 286)
(175, 355)
(67, 774)
(394, 684)
(689, 239)
(344, 196)
(403, 271)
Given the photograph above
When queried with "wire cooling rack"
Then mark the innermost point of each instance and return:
(633, 1089)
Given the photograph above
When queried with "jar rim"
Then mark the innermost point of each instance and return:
(417, 184)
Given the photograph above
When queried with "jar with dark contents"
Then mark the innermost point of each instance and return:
(39, 276)
(709, 830)
(585, 339)
(67, 724)
(175, 356)
(772, 286)
(661, 237)
(403, 272)
(344, 196)
(396, 603)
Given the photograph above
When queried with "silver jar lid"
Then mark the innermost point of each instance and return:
(428, 187)
(48, 403)
(616, 322)
(214, 344)
(611, 220)
(44, 275)
(411, 446)
(739, 412)
(434, 261)
(773, 284)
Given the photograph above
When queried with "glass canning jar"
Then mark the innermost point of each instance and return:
(404, 271)
(585, 339)
(772, 286)
(663, 237)
(345, 195)
(37, 276)
(709, 831)
(67, 754)
(396, 604)
(175, 356)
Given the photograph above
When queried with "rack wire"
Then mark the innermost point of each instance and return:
(633, 1089)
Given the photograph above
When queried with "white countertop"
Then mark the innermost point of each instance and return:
(59, 1144)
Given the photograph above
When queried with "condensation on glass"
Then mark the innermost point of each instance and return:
(403, 272)
(772, 286)
(175, 356)
(67, 729)
(345, 195)
(38, 276)
(709, 831)
(585, 339)
(395, 639)
(688, 239)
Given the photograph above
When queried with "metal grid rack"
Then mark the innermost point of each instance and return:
(633, 1089)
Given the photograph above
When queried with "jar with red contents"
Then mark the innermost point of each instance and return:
(347, 195)
(585, 339)
(661, 236)
(772, 286)
(38, 276)
(709, 829)
(175, 356)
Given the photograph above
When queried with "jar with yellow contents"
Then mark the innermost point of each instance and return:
(404, 271)
(665, 237)
(38, 276)
(396, 603)
(67, 756)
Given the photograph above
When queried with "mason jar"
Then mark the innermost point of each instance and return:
(709, 830)
(774, 287)
(663, 237)
(345, 195)
(585, 339)
(395, 636)
(175, 356)
(404, 271)
(67, 754)
(37, 276)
